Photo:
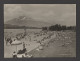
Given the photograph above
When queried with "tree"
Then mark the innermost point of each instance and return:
(44, 28)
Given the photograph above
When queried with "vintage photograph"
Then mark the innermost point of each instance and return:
(39, 30)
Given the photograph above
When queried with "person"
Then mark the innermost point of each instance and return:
(26, 54)
(22, 56)
(6, 40)
(10, 41)
(14, 54)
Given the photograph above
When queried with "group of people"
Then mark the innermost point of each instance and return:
(20, 51)
(43, 36)
(8, 40)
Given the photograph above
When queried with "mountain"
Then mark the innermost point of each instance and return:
(28, 22)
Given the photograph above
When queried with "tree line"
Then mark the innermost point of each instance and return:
(59, 27)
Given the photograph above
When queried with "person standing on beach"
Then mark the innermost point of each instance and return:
(14, 54)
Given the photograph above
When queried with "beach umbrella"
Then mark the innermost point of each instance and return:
(15, 43)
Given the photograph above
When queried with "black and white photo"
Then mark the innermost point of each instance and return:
(39, 30)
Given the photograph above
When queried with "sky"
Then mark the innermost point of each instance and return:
(64, 14)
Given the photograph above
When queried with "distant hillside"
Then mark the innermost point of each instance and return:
(24, 21)
(9, 26)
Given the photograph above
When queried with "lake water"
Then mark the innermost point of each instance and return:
(13, 32)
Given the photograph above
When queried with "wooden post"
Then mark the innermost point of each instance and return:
(16, 48)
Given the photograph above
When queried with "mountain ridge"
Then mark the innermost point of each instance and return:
(28, 22)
